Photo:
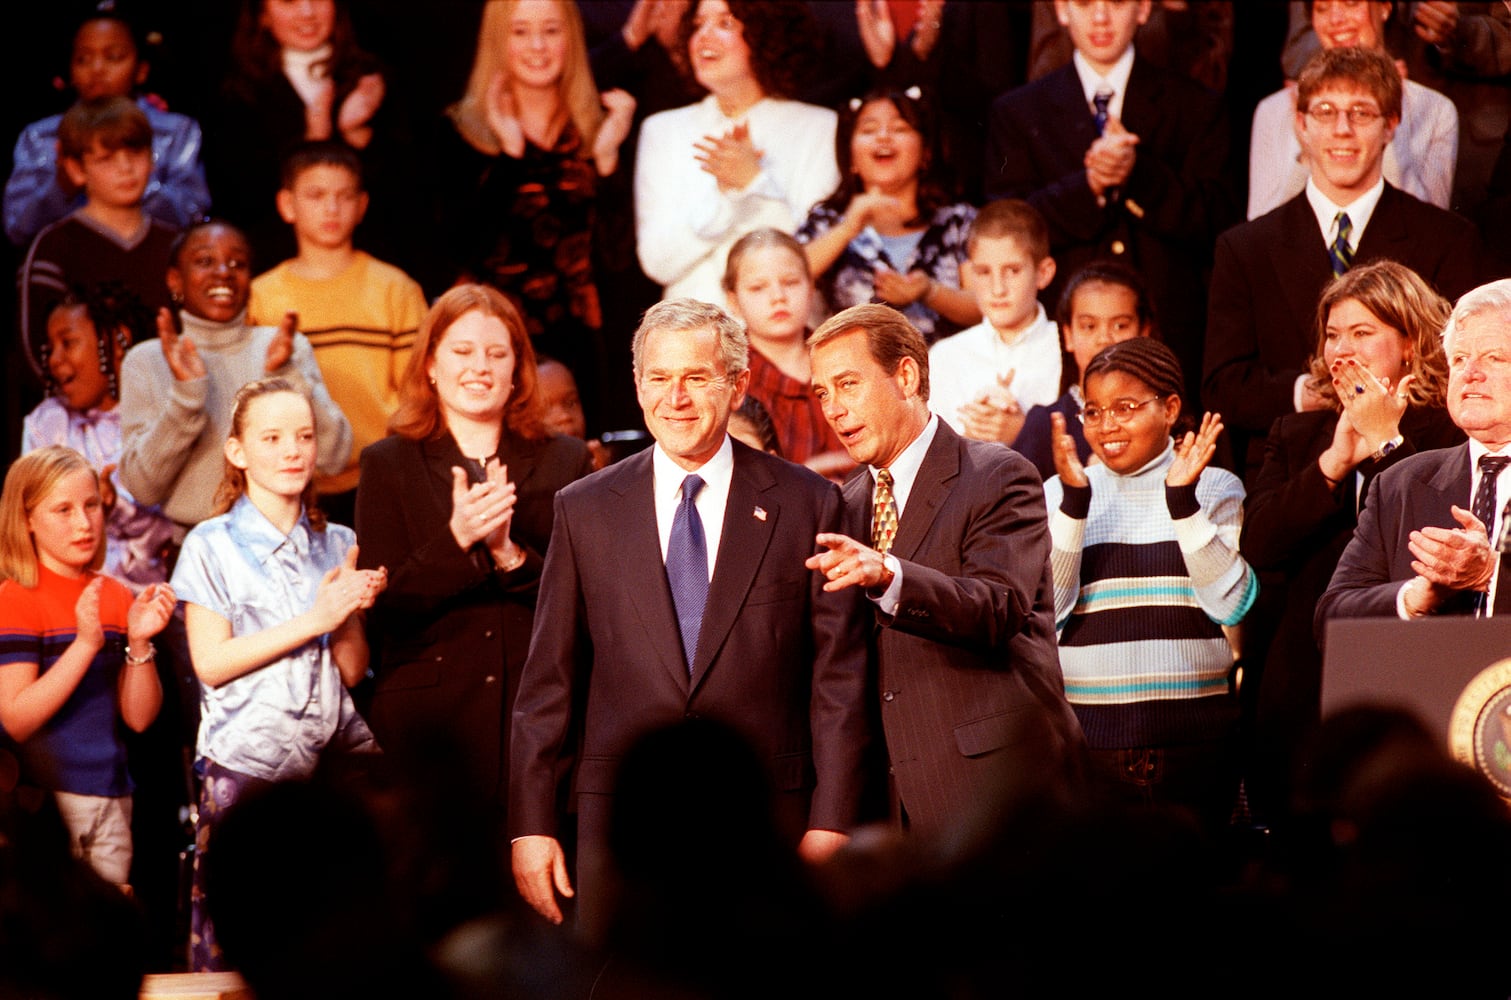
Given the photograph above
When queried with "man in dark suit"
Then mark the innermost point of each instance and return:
(1430, 525)
(1269, 273)
(1124, 160)
(957, 569)
(674, 587)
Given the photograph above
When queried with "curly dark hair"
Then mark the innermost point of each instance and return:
(915, 110)
(781, 35)
(119, 319)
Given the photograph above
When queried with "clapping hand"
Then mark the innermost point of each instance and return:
(900, 290)
(149, 614)
(503, 116)
(1067, 463)
(179, 351)
(1110, 158)
(359, 108)
(995, 415)
(281, 347)
(346, 590)
(1194, 451)
(731, 158)
(480, 511)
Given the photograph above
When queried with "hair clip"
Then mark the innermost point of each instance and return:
(854, 104)
(914, 93)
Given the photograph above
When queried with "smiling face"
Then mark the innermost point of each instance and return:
(1479, 378)
(276, 447)
(1129, 443)
(301, 25)
(104, 61)
(1344, 158)
(772, 294)
(537, 47)
(1006, 281)
(1101, 313)
(885, 150)
(717, 49)
(212, 276)
(1343, 23)
(1101, 30)
(67, 525)
(473, 369)
(686, 393)
(1355, 333)
(876, 414)
(73, 360)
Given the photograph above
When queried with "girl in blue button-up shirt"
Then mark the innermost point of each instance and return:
(273, 607)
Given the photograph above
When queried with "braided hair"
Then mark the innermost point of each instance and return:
(1149, 361)
(119, 318)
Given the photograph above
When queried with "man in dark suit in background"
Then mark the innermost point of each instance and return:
(674, 587)
(1269, 273)
(957, 570)
(1431, 524)
(1124, 160)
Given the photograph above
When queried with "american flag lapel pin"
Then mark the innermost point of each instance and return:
(760, 513)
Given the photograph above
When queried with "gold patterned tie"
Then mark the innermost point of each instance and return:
(883, 514)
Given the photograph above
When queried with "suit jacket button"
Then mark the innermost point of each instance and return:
(887, 696)
(690, 715)
(488, 634)
(1117, 247)
(490, 679)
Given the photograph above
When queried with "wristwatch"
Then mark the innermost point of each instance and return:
(1387, 447)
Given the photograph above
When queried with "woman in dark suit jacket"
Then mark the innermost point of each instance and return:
(1379, 364)
(457, 503)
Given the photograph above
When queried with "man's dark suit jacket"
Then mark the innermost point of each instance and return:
(1268, 276)
(779, 660)
(1408, 496)
(1174, 204)
(972, 699)
(449, 634)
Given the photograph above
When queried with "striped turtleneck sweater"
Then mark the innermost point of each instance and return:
(1145, 578)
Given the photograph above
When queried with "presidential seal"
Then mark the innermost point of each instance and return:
(1479, 730)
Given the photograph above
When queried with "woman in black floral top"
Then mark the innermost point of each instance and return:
(540, 137)
(887, 234)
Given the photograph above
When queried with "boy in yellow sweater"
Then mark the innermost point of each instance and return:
(359, 314)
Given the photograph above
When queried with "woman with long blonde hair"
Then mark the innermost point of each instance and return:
(536, 137)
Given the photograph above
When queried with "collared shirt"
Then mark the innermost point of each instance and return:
(969, 365)
(1116, 81)
(904, 474)
(274, 721)
(1359, 212)
(716, 473)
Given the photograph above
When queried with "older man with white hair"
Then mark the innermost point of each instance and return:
(1430, 525)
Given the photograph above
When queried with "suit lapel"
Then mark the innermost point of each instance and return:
(1302, 269)
(742, 547)
(1141, 101)
(1386, 234)
(1074, 121)
(635, 542)
(936, 478)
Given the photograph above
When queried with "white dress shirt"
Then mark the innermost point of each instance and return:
(904, 473)
(667, 477)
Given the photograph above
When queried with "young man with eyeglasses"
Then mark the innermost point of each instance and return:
(1419, 160)
(1269, 273)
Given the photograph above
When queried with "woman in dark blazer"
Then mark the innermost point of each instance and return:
(1379, 366)
(457, 503)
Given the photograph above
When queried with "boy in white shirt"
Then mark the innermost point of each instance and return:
(985, 378)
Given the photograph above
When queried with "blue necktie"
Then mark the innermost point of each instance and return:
(1340, 253)
(1100, 101)
(687, 568)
